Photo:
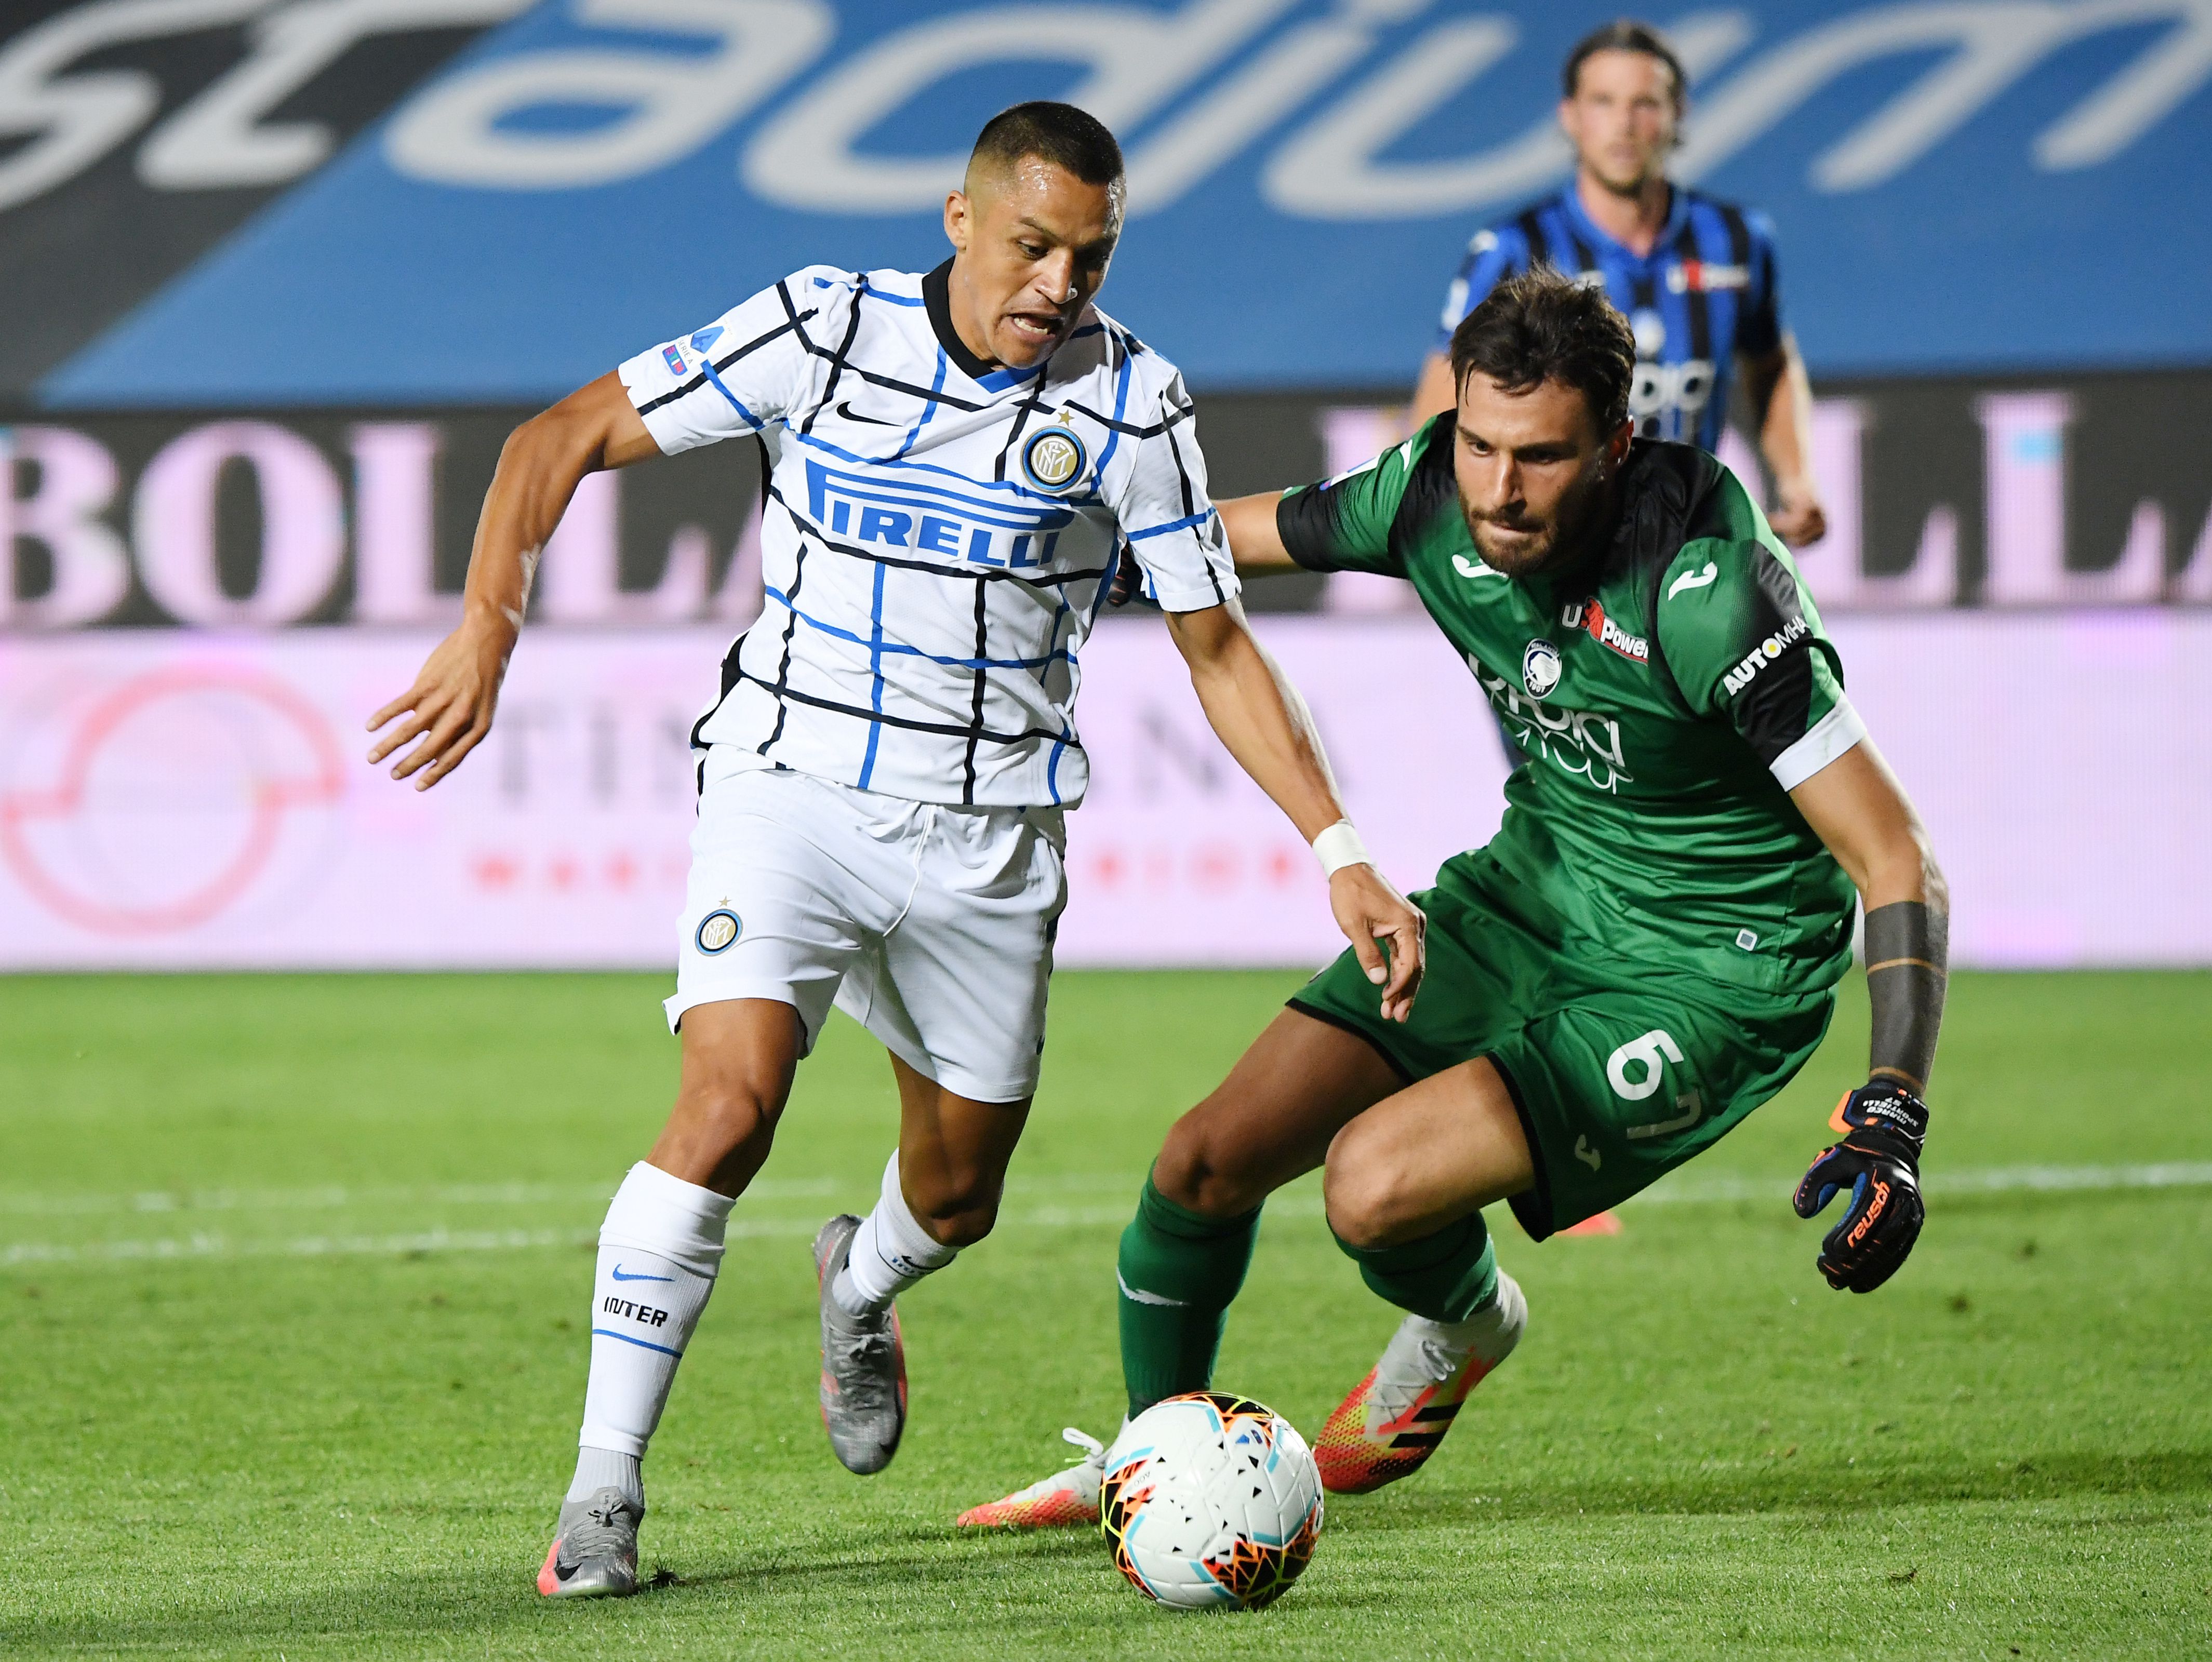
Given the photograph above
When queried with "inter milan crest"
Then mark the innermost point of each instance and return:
(1540, 668)
(1053, 457)
(717, 930)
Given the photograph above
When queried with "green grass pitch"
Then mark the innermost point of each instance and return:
(292, 1290)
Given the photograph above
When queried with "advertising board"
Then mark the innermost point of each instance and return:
(193, 799)
(2066, 491)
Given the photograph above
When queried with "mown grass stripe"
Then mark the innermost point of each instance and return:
(208, 1244)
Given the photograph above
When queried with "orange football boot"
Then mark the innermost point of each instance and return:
(1054, 1502)
(1394, 1419)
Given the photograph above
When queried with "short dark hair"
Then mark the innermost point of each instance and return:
(1067, 137)
(1541, 326)
(1624, 35)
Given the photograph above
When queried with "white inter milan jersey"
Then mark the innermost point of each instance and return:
(938, 537)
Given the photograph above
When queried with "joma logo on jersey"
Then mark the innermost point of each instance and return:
(901, 512)
(1576, 740)
(1764, 654)
(1589, 616)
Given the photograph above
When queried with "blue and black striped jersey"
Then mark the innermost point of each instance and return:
(1706, 291)
(939, 533)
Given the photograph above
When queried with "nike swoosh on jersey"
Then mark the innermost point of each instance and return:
(1471, 569)
(845, 409)
(1694, 580)
(616, 1272)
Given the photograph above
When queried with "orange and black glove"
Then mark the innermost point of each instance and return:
(1878, 1163)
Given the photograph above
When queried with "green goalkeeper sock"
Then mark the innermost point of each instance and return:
(1179, 1271)
(1446, 1276)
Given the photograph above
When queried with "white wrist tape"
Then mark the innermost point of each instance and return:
(1339, 847)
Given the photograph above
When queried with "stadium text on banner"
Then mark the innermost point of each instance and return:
(463, 246)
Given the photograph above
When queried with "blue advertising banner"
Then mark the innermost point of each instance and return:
(1972, 186)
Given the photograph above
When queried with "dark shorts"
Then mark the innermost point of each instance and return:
(1621, 1069)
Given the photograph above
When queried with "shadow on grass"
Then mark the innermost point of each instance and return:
(974, 1583)
(936, 1549)
(793, 1590)
(1799, 1484)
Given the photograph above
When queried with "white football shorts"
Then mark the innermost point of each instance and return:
(930, 926)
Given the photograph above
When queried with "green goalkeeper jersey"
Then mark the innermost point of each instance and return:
(1668, 693)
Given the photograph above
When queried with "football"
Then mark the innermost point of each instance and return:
(1211, 1501)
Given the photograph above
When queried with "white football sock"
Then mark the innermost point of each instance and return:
(891, 1251)
(1492, 1331)
(659, 1251)
(602, 1468)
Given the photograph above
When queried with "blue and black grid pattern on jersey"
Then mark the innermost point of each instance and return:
(1707, 291)
(938, 532)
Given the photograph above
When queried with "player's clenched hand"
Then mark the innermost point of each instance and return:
(450, 706)
(1373, 915)
(1878, 1165)
(1798, 517)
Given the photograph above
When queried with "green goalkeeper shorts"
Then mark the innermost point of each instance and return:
(1620, 1069)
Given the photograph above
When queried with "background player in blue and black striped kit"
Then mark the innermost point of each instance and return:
(1694, 276)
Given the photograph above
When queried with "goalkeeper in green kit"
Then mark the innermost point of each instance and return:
(1646, 952)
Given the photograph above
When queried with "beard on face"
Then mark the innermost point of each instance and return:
(1631, 176)
(1626, 184)
(1559, 540)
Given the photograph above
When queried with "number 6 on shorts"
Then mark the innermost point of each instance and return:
(1647, 1050)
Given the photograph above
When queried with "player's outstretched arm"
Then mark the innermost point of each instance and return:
(1266, 726)
(449, 708)
(1781, 393)
(1255, 543)
(1859, 811)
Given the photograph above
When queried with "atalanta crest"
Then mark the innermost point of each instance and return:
(1052, 458)
(1540, 668)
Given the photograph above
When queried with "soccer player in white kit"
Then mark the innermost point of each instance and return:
(958, 462)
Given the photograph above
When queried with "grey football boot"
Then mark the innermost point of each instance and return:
(863, 1365)
(594, 1551)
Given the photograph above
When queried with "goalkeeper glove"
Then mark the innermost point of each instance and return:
(1878, 1163)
